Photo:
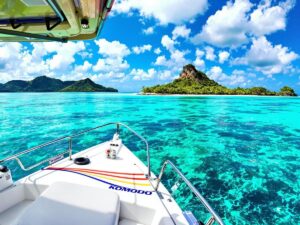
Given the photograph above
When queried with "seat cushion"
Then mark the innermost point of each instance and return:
(73, 204)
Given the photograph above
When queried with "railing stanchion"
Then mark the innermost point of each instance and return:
(160, 175)
(70, 148)
(69, 139)
(214, 216)
(118, 128)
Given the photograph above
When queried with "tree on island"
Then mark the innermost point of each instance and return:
(287, 91)
(192, 81)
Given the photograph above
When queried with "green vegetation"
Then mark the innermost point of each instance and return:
(47, 84)
(287, 91)
(87, 86)
(192, 81)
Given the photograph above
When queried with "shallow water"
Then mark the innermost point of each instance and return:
(242, 153)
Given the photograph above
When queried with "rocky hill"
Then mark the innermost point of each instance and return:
(87, 85)
(192, 81)
(47, 84)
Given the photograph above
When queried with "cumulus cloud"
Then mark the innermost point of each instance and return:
(177, 57)
(140, 74)
(237, 21)
(85, 54)
(176, 61)
(164, 75)
(217, 74)
(267, 58)
(65, 53)
(148, 31)
(210, 53)
(181, 31)
(141, 49)
(227, 26)
(165, 12)
(8, 51)
(83, 68)
(157, 51)
(112, 49)
(267, 19)
(168, 43)
(11, 63)
(19, 62)
(199, 62)
(223, 56)
(113, 62)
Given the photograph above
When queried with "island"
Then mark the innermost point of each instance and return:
(47, 84)
(192, 81)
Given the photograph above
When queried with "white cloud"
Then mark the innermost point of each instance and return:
(83, 68)
(227, 26)
(177, 60)
(168, 43)
(112, 49)
(157, 51)
(139, 74)
(181, 31)
(166, 11)
(237, 21)
(85, 54)
(199, 62)
(65, 53)
(164, 75)
(217, 74)
(267, 19)
(148, 31)
(11, 66)
(8, 51)
(19, 62)
(268, 59)
(223, 56)
(177, 57)
(210, 53)
(199, 53)
(113, 63)
(141, 49)
(161, 61)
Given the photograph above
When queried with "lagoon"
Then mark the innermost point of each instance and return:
(241, 152)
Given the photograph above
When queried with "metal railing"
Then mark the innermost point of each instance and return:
(214, 216)
(69, 151)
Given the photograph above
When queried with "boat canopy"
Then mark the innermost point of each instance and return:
(52, 20)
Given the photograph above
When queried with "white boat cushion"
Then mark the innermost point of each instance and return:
(73, 204)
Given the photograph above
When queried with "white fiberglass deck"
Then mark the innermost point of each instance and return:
(125, 176)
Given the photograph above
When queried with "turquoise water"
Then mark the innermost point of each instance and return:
(242, 153)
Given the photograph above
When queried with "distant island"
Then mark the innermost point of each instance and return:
(47, 84)
(192, 81)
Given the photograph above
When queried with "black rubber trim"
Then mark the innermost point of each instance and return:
(82, 161)
(3, 169)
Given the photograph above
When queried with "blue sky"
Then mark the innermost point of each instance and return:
(237, 43)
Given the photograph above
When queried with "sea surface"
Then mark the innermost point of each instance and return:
(242, 153)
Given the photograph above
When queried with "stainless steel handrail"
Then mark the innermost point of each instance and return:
(70, 138)
(214, 216)
(56, 10)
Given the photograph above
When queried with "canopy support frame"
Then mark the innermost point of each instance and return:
(31, 35)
